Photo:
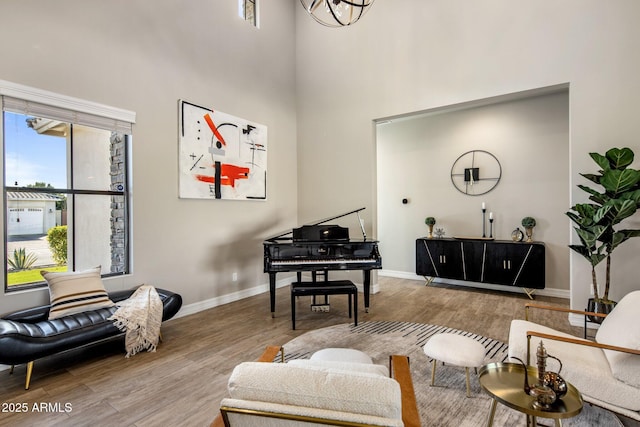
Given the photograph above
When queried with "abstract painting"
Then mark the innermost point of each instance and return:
(220, 156)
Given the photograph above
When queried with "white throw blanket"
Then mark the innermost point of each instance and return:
(140, 317)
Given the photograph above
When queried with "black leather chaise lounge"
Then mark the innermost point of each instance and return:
(28, 335)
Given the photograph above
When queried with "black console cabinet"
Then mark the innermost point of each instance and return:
(441, 258)
(500, 262)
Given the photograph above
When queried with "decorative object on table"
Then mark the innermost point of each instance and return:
(550, 386)
(554, 380)
(430, 221)
(528, 223)
(484, 210)
(491, 225)
(544, 395)
(336, 13)
(550, 379)
(439, 233)
(595, 222)
(517, 235)
(220, 156)
(476, 172)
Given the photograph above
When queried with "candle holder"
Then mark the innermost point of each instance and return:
(483, 223)
(490, 228)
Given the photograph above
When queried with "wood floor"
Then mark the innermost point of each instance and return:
(183, 382)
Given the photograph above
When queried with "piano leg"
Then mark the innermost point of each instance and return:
(272, 293)
(366, 274)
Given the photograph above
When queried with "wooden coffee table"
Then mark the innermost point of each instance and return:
(504, 382)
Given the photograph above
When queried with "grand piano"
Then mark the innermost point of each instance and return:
(320, 247)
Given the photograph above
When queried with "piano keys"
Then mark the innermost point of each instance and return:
(320, 247)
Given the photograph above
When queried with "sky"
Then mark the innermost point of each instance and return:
(31, 157)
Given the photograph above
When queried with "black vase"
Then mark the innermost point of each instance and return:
(599, 307)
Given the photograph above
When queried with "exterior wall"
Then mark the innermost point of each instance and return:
(92, 167)
(118, 213)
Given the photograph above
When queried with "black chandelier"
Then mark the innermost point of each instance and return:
(336, 13)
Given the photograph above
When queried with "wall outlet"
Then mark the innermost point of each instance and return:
(234, 277)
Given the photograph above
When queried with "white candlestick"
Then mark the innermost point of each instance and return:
(490, 215)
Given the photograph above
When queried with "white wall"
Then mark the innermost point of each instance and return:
(530, 138)
(143, 57)
(414, 55)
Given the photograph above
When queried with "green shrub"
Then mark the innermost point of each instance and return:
(21, 260)
(57, 238)
(430, 220)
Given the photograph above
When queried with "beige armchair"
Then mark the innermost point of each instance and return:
(605, 370)
(285, 394)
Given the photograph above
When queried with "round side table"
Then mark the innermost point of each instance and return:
(504, 382)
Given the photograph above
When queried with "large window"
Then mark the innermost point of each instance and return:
(66, 191)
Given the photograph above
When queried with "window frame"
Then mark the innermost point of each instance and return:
(242, 11)
(81, 112)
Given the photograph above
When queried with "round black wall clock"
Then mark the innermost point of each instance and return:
(476, 172)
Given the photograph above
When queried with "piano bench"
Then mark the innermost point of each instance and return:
(332, 287)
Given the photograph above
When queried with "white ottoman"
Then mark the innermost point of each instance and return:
(455, 350)
(348, 355)
(347, 359)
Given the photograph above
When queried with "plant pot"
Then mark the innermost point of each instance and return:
(430, 227)
(599, 306)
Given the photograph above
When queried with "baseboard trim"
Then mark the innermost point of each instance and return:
(578, 320)
(549, 292)
(199, 306)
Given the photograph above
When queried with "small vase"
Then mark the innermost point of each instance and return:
(430, 231)
(529, 232)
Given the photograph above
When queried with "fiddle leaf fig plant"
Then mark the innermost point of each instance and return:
(595, 222)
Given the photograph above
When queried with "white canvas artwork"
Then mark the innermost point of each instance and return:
(220, 156)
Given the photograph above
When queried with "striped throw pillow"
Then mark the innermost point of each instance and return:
(75, 292)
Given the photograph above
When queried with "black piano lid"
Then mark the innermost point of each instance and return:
(314, 233)
(330, 235)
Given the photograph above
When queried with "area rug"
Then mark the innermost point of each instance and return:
(446, 403)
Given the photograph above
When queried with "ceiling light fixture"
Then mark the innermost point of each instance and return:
(336, 13)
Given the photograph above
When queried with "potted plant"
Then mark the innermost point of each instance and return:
(596, 222)
(528, 223)
(430, 221)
